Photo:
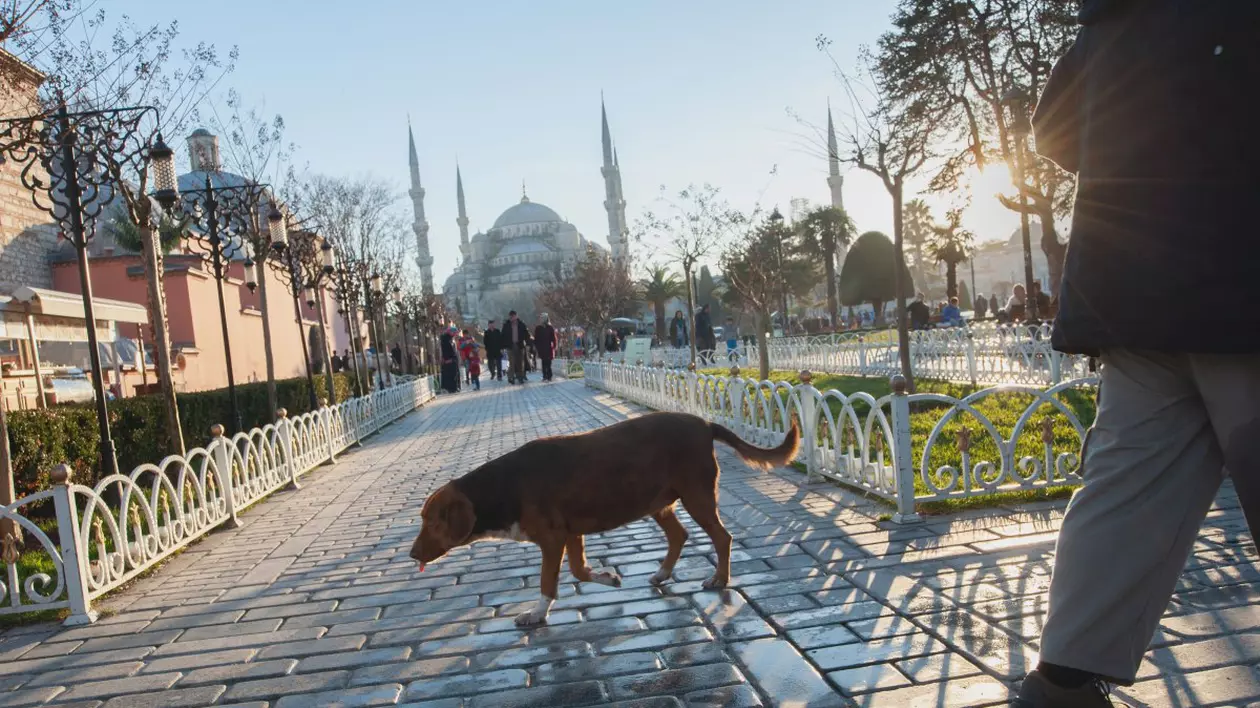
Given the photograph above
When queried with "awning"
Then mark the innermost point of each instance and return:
(54, 303)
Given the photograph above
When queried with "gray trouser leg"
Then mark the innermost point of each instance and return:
(1152, 467)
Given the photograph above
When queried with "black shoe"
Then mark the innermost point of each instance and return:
(1038, 691)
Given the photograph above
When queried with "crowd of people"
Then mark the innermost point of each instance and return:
(525, 350)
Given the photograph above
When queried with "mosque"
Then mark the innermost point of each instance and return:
(504, 267)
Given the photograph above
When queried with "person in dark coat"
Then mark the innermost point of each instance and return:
(920, 313)
(450, 361)
(545, 344)
(1153, 108)
(705, 339)
(493, 340)
(516, 341)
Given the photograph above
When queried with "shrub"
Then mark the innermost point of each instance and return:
(42, 439)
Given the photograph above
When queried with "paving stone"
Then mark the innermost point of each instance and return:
(742, 696)
(127, 641)
(101, 672)
(420, 634)
(296, 683)
(468, 684)
(174, 698)
(785, 675)
(569, 694)
(692, 654)
(1210, 654)
(508, 624)
(861, 654)
(937, 667)
(637, 609)
(1212, 624)
(828, 615)
(361, 697)
(587, 630)
(404, 672)
(326, 645)
(352, 659)
(328, 619)
(655, 640)
(577, 669)
(977, 691)
(230, 630)
(864, 679)
(296, 610)
(675, 681)
(238, 672)
(29, 696)
(731, 616)
(526, 656)
(113, 687)
(237, 642)
(1234, 683)
(186, 621)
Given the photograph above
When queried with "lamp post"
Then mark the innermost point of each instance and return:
(374, 294)
(292, 257)
(776, 223)
(222, 215)
(71, 162)
(1021, 125)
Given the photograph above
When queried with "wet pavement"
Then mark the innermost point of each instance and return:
(314, 602)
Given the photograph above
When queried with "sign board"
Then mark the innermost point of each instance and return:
(638, 347)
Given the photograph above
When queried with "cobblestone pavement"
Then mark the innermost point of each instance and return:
(315, 603)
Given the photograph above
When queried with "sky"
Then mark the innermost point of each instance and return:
(728, 92)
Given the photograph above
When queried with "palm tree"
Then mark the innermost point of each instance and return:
(658, 288)
(917, 225)
(951, 244)
(822, 232)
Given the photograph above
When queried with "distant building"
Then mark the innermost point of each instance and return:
(1000, 264)
(504, 267)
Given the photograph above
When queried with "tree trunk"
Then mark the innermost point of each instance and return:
(879, 311)
(1055, 252)
(903, 327)
(762, 320)
(951, 280)
(154, 275)
(829, 269)
(691, 310)
(273, 403)
(325, 342)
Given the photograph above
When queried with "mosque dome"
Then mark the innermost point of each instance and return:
(527, 212)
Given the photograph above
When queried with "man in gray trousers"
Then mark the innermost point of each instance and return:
(1150, 108)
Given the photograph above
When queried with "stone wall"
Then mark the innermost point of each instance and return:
(27, 238)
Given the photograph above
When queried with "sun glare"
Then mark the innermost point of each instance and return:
(993, 180)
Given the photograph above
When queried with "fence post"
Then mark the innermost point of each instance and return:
(735, 397)
(971, 357)
(223, 470)
(692, 381)
(284, 426)
(74, 557)
(1056, 367)
(325, 420)
(862, 355)
(902, 455)
(809, 424)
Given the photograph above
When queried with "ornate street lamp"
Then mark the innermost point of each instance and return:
(293, 257)
(71, 163)
(1021, 126)
(375, 305)
(222, 216)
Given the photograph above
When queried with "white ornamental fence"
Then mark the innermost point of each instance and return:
(979, 353)
(867, 443)
(108, 534)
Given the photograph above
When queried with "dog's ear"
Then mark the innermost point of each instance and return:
(457, 517)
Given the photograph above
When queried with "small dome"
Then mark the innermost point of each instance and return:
(527, 212)
(201, 133)
(522, 246)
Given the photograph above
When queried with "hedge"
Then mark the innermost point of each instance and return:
(43, 438)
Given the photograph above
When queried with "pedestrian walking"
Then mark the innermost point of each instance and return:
(493, 340)
(516, 337)
(450, 361)
(474, 367)
(1160, 226)
(545, 344)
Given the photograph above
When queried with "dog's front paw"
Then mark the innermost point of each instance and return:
(659, 577)
(715, 583)
(533, 618)
(606, 577)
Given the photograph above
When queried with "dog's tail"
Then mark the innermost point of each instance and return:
(758, 457)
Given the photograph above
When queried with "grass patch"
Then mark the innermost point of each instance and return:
(1001, 409)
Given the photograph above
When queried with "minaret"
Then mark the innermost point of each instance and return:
(614, 200)
(463, 212)
(835, 181)
(420, 225)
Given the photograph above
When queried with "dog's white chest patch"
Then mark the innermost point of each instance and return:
(512, 533)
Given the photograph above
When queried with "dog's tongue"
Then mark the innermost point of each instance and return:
(421, 567)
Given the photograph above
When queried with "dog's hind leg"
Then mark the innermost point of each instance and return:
(552, 556)
(582, 571)
(703, 508)
(676, 535)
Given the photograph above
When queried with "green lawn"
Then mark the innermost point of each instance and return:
(1002, 409)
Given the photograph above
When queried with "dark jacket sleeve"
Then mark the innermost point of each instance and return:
(1057, 120)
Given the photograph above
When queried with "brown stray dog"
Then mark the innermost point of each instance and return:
(553, 491)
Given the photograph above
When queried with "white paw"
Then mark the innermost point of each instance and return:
(714, 583)
(659, 577)
(533, 618)
(606, 577)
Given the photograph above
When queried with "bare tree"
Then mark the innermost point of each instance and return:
(688, 228)
(593, 292)
(891, 138)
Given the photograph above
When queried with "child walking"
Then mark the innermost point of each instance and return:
(474, 366)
